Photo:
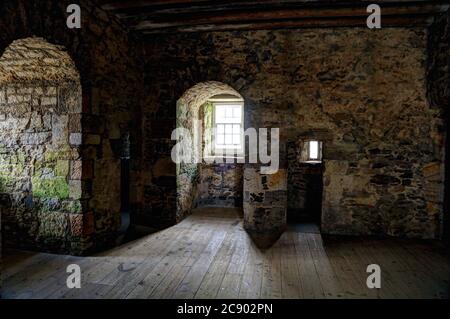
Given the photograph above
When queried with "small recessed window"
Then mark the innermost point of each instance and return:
(312, 151)
(228, 127)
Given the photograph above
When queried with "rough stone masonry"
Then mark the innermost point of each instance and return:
(362, 92)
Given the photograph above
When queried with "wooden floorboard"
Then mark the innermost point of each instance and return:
(209, 255)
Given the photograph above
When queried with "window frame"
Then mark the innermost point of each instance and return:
(310, 160)
(222, 152)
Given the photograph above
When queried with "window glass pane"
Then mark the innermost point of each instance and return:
(228, 129)
(236, 139)
(313, 149)
(220, 129)
(220, 114)
(236, 128)
(229, 112)
(228, 139)
(220, 139)
(237, 112)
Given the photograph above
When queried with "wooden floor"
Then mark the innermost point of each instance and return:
(209, 255)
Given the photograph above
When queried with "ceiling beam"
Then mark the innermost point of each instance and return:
(133, 7)
(388, 21)
(255, 16)
(169, 16)
(139, 4)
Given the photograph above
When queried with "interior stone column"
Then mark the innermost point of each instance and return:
(265, 205)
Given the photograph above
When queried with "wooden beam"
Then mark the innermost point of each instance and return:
(139, 4)
(389, 21)
(134, 7)
(170, 21)
(159, 16)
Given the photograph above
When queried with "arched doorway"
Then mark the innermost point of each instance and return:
(190, 116)
(40, 148)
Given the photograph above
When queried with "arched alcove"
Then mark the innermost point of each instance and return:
(188, 114)
(40, 140)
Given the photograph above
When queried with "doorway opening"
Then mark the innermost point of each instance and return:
(305, 183)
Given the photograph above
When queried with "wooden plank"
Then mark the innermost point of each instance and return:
(252, 276)
(291, 283)
(372, 252)
(191, 282)
(231, 283)
(34, 277)
(210, 284)
(431, 255)
(428, 282)
(175, 276)
(271, 281)
(360, 255)
(419, 278)
(129, 280)
(154, 278)
(19, 262)
(311, 284)
(351, 279)
(330, 284)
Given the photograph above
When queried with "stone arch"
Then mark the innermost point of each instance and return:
(188, 106)
(40, 143)
(112, 99)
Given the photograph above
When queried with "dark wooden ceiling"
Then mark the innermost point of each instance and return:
(170, 16)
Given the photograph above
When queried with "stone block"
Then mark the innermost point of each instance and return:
(35, 138)
(59, 129)
(76, 224)
(76, 170)
(49, 101)
(2, 96)
(51, 91)
(75, 189)
(75, 123)
(62, 168)
(432, 169)
(53, 225)
(25, 90)
(44, 187)
(75, 139)
(15, 98)
(382, 179)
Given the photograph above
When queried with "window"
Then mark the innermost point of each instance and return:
(312, 152)
(228, 137)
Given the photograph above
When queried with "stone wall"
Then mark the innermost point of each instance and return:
(40, 163)
(220, 185)
(107, 60)
(363, 90)
(438, 92)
